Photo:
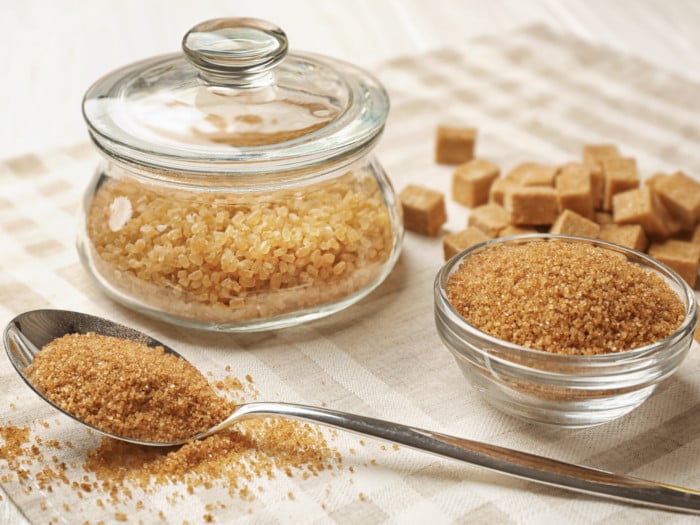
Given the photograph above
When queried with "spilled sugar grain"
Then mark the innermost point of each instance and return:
(113, 476)
(259, 449)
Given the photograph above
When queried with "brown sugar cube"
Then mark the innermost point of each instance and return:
(499, 189)
(423, 210)
(695, 239)
(539, 175)
(595, 174)
(471, 182)
(454, 145)
(603, 217)
(532, 174)
(515, 230)
(597, 184)
(696, 336)
(571, 223)
(620, 174)
(491, 218)
(597, 153)
(573, 185)
(681, 196)
(655, 179)
(642, 206)
(630, 235)
(533, 205)
(454, 243)
(681, 256)
(515, 174)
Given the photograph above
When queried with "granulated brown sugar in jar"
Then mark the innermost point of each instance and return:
(221, 257)
(561, 297)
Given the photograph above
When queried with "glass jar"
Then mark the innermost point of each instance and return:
(238, 188)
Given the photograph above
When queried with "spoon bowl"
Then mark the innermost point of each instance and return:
(27, 333)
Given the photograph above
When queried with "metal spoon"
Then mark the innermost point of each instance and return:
(27, 333)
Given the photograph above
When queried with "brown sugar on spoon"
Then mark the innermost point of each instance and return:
(130, 389)
(127, 388)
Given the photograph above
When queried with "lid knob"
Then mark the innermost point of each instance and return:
(235, 51)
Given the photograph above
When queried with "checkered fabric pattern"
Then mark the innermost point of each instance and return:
(533, 95)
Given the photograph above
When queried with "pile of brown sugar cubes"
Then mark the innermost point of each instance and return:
(599, 196)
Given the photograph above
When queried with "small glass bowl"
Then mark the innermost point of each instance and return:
(563, 390)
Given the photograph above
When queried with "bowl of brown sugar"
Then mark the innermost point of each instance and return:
(563, 330)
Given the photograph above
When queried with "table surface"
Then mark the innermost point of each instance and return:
(57, 49)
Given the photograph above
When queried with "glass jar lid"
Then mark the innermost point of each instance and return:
(235, 101)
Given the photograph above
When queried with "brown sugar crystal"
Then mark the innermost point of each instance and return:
(534, 174)
(593, 157)
(575, 191)
(630, 235)
(563, 297)
(533, 205)
(454, 243)
(571, 223)
(454, 144)
(516, 230)
(471, 182)
(620, 174)
(642, 206)
(517, 172)
(423, 210)
(681, 256)
(603, 217)
(597, 153)
(681, 196)
(490, 218)
(127, 388)
(595, 172)
(499, 188)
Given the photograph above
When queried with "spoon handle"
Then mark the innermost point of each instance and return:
(515, 463)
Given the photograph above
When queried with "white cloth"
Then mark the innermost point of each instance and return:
(533, 95)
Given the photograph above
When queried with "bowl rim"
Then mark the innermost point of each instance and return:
(443, 304)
